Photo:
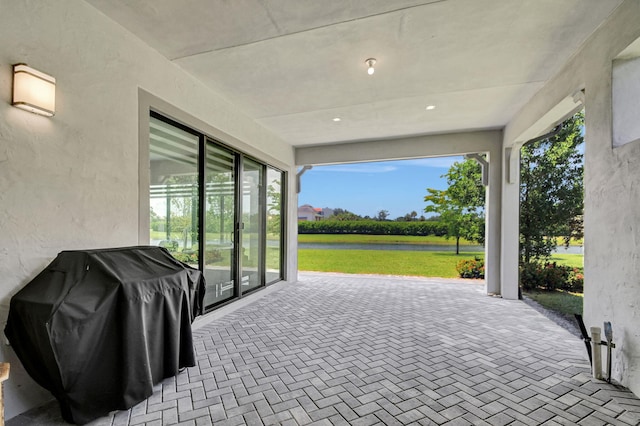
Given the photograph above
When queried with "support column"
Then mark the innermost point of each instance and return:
(491, 179)
(492, 222)
(510, 223)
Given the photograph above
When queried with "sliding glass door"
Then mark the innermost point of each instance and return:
(173, 190)
(219, 223)
(215, 209)
(252, 232)
(274, 250)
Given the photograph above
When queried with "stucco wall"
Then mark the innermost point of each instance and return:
(71, 181)
(612, 244)
(626, 101)
(612, 189)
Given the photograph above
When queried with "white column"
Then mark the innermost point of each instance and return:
(510, 223)
(291, 231)
(492, 223)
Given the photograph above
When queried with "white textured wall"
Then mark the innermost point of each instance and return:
(71, 182)
(612, 245)
(626, 101)
(612, 189)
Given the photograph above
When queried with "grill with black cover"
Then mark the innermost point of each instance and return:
(99, 328)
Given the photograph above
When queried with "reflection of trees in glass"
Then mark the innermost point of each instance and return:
(157, 222)
(220, 205)
(273, 252)
(182, 209)
(274, 206)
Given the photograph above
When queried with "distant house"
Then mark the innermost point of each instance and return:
(310, 213)
(306, 212)
(325, 213)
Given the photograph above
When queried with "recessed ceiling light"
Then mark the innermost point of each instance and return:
(337, 119)
(430, 107)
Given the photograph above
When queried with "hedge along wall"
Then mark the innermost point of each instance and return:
(372, 227)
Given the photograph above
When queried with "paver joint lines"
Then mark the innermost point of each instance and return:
(339, 349)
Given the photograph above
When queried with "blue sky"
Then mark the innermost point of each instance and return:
(366, 188)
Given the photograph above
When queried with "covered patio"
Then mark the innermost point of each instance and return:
(283, 85)
(338, 349)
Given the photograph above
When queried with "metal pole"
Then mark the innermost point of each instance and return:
(597, 353)
(608, 332)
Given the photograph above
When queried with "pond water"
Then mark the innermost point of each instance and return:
(414, 247)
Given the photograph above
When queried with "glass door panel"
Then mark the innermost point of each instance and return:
(216, 210)
(219, 223)
(273, 254)
(173, 191)
(251, 248)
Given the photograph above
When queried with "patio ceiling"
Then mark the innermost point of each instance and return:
(295, 65)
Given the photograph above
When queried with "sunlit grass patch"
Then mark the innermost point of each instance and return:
(558, 301)
(384, 262)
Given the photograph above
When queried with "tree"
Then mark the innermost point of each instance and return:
(382, 215)
(338, 211)
(344, 215)
(461, 205)
(409, 217)
(551, 191)
(274, 207)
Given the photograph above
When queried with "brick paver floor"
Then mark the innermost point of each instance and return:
(362, 350)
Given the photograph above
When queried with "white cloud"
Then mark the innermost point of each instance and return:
(357, 168)
(434, 162)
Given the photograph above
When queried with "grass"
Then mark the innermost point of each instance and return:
(385, 262)
(572, 260)
(559, 301)
(572, 242)
(391, 262)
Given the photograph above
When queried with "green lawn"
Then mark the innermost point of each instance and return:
(392, 262)
(385, 262)
(395, 262)
(573, 242)
(573, 260)
(377, 239)
(559, 301)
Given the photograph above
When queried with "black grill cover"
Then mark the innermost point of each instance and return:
(99, 328)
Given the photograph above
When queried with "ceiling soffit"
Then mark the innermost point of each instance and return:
(294, 65)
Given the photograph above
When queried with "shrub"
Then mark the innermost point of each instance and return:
(372, 227)
(169, 245)
(551, 276)
(531, 275)
(186, 257)
(576, 280)
(473, 268)
(211, 256)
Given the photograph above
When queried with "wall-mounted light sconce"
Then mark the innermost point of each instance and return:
(370, 63)
(33, 90)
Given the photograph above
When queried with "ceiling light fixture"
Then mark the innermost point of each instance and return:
(430, 107)
(370, 63)
(337, 119)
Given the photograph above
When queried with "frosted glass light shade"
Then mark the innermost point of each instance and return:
(370, 63)
(33, 90)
